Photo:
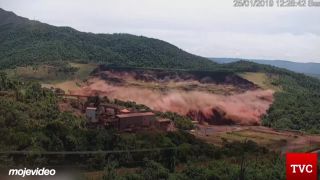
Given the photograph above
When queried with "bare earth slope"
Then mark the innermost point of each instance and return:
(213, 99)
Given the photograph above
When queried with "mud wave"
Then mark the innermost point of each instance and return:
(245, 108)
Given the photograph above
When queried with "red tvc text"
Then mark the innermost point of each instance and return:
(301, 166)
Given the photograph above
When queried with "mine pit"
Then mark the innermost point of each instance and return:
(227, 99)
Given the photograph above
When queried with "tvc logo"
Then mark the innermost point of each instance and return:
(300, 166)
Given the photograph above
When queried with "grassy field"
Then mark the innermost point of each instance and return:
(51, 74)
(84, 70)
(261, 79)
(269, 140)
(272, 139)
(67, 86)
(41, 73)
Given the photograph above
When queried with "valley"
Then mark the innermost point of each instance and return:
(123, 106)
(225, 106)
(213, 98)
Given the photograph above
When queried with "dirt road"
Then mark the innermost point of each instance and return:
(283, 141)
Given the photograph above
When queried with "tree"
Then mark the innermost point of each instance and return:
(109, 171)
(153, 170)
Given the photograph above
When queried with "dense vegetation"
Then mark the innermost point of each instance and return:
(31, 121)
(297, 105)
(25, 42)
(311, 69)
(181, 122)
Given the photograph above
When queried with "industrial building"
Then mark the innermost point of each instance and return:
(102, 114)
(112, 116)
(135, 120)
(165, 124)
(91, 114)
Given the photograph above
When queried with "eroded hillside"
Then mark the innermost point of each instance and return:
(214, 98)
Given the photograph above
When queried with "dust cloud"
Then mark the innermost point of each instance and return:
(245, 108)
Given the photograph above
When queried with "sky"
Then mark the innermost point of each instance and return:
(209, 28)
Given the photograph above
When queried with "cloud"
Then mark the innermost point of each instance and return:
(205, 27)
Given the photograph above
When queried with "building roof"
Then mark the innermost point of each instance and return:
(124, 111)
(163, 120)
(135, 114)
(91, 108)
(108, 105)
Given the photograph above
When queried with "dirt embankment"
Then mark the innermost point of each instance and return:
(122, 76)
(244, 107)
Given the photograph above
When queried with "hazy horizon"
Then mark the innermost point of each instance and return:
(257, 59)
(209, 28)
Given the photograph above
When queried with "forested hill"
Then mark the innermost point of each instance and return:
(24, 41)
(296, 105)
(312, 69)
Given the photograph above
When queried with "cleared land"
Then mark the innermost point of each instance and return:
(52, 74)
(67, 86)
(272, 139)
(262, 80)
(276, 140)
(84, 70)
(234, 100)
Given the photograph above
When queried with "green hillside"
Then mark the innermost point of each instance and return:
(25, 42)
(296, 106)
(310, 68)
(30, 121)
(35, 132)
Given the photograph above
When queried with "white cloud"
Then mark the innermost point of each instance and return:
(205, 27)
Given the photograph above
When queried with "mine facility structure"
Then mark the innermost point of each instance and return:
(114, 116)
(135, 120)
(7, 93)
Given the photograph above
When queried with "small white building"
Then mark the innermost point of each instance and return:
(91, 114)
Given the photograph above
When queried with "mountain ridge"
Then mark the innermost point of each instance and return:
(26, 42)
(296, 106)
(309, 68)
